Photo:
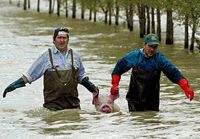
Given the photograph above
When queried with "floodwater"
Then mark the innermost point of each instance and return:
(25, 35)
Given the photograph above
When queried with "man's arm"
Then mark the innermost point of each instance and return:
(176, 77)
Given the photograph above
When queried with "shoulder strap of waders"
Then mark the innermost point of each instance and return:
(51, 60)
(138, 57)
(72, 58)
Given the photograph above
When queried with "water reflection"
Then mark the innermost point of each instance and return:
(50, 117)
(55, 122)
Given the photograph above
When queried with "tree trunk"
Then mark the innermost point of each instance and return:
(66, 9)
(158, 24)
(50, 6)
(130, 19)
(186, 40)
(148, 20)
(110, 13)
(152, 21)
(142, 21)
(82, 9)
(194, 23)
(90, 13)
(117, 13)
(106, 17)
(127, 16)
(95, 11)
(25, 4)
(74, 9)
(192, 37)
(58, 7)
(29, 4)
(169, 31)
(38, 5)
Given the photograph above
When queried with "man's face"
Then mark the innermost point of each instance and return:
(149, 50)
(61, 41)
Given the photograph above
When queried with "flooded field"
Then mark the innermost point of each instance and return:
(25, 35)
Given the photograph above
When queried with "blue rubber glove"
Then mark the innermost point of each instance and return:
(18, 83)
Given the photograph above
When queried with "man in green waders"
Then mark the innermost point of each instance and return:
(63, 70)
(147, 64)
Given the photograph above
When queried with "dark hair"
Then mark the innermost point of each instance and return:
(57, 30)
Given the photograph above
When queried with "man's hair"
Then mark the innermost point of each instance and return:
(57, 30)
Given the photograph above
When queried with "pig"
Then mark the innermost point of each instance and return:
(102, 104)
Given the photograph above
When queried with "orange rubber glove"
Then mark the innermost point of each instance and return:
(183, 83)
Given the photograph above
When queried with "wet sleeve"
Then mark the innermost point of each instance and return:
(172, 73)
(81, 68)
(37, 69)
(82, 73)
(126, 63)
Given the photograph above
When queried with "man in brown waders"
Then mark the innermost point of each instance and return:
(63, 70)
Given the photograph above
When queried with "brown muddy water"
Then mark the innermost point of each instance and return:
(25, 35)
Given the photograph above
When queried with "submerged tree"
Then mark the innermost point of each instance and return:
(74, 9)
(38, 5)
(82, 9)
(169, 29)
(186, 12)
(116, 12)
(50, 7)
(189, 15)
(142, 19)
(25, 4)
(66, 8)
(58, 7)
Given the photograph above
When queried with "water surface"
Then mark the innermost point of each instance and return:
(25, 35)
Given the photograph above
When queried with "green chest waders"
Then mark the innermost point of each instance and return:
(144, 89)
(60, 87)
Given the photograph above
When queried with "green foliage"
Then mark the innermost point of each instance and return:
(190, 8)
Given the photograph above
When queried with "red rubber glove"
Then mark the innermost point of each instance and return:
(114, 91)
(183, 83)
(115, 82)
